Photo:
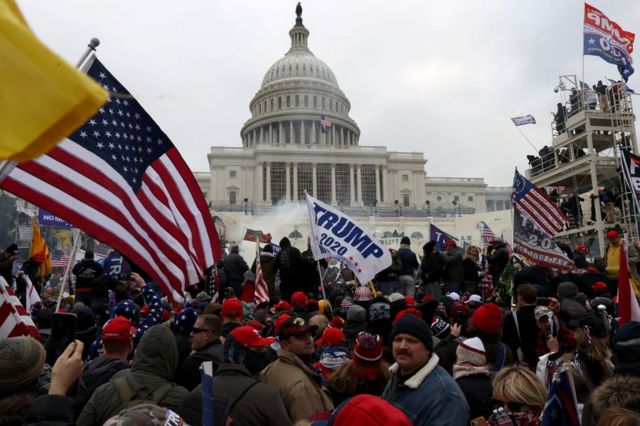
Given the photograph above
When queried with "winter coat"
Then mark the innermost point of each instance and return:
(85, 271)
(528, 327)
(299, 386)
(471, 277)
(409, 260)
(477, 389)
(453, 270)
(291, 265)
(429, 397)
(51, 410)
(235, 267)
(260, 405)
(432, 268)
(154, 364)
(188, 374)
(95, 373)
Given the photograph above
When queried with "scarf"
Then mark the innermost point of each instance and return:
(462, 370)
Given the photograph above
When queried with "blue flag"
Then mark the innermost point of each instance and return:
(560, 408)
(206, 371)
(439, 236)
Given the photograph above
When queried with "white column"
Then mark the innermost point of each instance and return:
(295, 181)
(333, 185)
(359, 184)
(314, 181)
(268, 197)
(291, 139)
(333, 135)
(352, 187)
(313, 132)
(303, 140)
(260, 135)
(385, 184)
(377, 169)
(257, 193)
(287, 184)
(280, 138)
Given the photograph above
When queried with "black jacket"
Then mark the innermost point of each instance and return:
(235, 267)
(189, 374)
(85, 271)
(95, 373)
(432, 268)
(528, 331)
(477, 389)
(292, 266)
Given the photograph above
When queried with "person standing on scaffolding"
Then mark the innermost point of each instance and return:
(560, 118)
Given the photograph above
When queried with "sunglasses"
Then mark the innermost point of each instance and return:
(513, 407)
(196, 330)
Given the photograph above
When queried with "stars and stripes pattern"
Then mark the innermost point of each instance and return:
(59, 261)
(486, 233)
(14, 318)
(261, 291)
(325, 122)
(120, 179)
(535, 203)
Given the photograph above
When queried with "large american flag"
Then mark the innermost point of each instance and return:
(261, 290)
(535, 203)
(120, 179)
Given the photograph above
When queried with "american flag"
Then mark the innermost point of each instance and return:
(535, 203)
(487, 233)
(261, 290)
(58, 261)
(14, 318)
(120, 179)
(325, 122)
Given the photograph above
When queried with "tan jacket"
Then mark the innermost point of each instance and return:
(299, 386)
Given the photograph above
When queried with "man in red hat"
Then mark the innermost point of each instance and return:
(580, 256)
(612, 257)
(299, 386)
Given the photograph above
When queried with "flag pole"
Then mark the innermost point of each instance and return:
(91, 47)
(527, 139)
(324, 295)
(72, 259)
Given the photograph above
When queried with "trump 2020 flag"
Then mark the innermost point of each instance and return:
(121, 180)
(522, 120)
(439, 236)
(607, 40)
(334, 234)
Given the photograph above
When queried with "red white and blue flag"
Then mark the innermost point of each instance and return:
(261, 289)
(535, 203)
(607, 40)
(486, 232)
(561, 409)
(120, 179)
(14, 318)
(325, 122)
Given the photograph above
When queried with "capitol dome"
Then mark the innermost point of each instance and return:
(299, 101)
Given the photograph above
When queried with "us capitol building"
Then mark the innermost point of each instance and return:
(300, 136)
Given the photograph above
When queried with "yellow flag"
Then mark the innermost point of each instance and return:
(39, 249)
(42, 98)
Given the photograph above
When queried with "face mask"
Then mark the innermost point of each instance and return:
(255, 361)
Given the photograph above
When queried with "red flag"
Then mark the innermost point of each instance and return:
(14, 318)
(261, 289)
(628, 307)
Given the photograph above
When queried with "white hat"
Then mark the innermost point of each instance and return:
(453, 295)
(471, 351)
(474, 298)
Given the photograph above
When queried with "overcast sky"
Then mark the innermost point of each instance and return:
(441, 77)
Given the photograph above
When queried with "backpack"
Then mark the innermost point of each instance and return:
(127, 394)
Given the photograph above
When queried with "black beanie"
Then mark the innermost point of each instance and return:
(416, 327)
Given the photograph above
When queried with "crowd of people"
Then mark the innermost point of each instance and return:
(450, 337)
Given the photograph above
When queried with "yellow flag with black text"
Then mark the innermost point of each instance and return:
(42, 98)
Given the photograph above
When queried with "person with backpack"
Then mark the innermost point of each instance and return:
(387, 279)
(154, 364)
(206, 344)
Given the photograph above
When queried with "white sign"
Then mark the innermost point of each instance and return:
(334, 234)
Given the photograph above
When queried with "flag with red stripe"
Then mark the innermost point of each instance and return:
(628, 307)
(261, 289)
(487, 233)
(14, 318)
(535, 203)
(120, 179)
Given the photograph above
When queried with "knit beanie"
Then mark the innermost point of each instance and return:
(488, 318)
(363, 294)
(21, 362)
(380, 311)
(408, 311)
(356, 313)
(368, 347)
(414, 326)
(367, 410)
(185, 320)
(345, 304)
(440, 328)
(471, 351)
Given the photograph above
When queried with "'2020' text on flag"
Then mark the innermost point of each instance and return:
(43, 97)
(334, 234)
(120, 179)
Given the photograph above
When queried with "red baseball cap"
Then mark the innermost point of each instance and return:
(299, 299)
(249, 337)
(232, 308)
(279, 321)
(283, 305)
(582, 248)
(256, 324)
(118, 328)
(613, 234)
(332, 337)
(600, 286)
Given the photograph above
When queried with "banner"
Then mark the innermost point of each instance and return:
(46, 218)
(439, 236)
(531, 242)
(115, 265)
(522, 120)
(254, 235)
(334, 234)
(631, 171)
(605, 39)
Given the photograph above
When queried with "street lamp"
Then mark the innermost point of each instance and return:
(396, 203)
(455, 203)
(375, 205)
(246, 204)
(459, 207)
(428, 204)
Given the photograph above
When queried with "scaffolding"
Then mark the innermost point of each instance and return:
(589, 131)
